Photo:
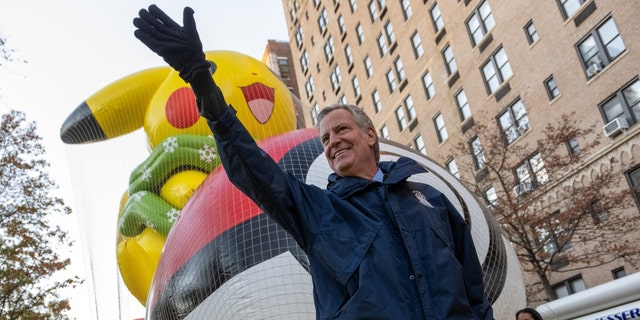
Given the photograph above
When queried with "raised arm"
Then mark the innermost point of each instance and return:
(249, 168)
(181, 48)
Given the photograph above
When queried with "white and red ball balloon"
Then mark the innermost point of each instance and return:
(226, 259)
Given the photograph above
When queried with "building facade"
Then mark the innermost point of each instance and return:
(277, 56)
(428, 72)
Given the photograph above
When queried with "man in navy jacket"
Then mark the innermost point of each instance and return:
(379, 246)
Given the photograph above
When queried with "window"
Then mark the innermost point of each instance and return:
(436, 18)
(573, 146)
(551, 87)
(406, 9)
(329, 49)
(373, 11)
(598, 214)
(491, 197)
(308, 86)
(342, 99)
(391, 36)
(549, 239)
(391, 81)
(618, 273)
(322, 21)
(568, 287)
(356, 86)
(314, 114)
(400, 116)
(336, 78)
(569, 7)
(496, 71)
(382, 44)
(368, 66)
(480, 22)
(377, 103)
(341, 25)
(633, 177)
(603, 45)
(399, 69)
(531, 173)
(476, 152)
(347, 53)
(427, 82)
(463, 105)
(514, 121)
(624, 104)
(452, 167)
(418, 50)
(353, 5)
(531, 32)
(299, 36)
(441, 130)
(384, 132)
(449, 60)
(420, 144)
(411, 110)
(360, 33)
(283, 67)
(304, 61)
(292, 11)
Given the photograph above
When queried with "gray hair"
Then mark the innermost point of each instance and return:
(359, 116)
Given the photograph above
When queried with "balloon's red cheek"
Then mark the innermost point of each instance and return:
(181, 109)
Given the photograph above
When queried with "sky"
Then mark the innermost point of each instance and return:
(72, 49)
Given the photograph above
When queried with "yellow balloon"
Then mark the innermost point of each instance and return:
(161, 102)
(180, 186)
(137, 260)
(263, 102)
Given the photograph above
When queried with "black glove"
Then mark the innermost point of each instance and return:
(209, 97)
(179, 46)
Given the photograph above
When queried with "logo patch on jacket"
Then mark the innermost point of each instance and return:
(423, 200)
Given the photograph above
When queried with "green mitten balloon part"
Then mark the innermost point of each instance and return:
(147, 210)
(174, 154)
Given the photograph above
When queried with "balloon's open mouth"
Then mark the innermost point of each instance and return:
(260, 99)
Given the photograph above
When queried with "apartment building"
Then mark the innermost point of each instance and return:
(428, 72)
(277, 56)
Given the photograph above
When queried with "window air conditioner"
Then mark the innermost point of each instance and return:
(593, 69)
(522, 188)
(616, 126)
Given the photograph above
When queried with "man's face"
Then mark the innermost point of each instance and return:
(348, 149)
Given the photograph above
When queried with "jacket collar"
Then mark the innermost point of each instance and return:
(395, 172)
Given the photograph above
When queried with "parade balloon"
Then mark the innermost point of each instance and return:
(182, 148)
(226, 259)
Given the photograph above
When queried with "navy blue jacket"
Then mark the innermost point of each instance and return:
(390, 250)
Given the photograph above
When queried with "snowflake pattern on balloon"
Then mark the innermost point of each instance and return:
(208, 153)
(173, 215)
(138, 196)
(170, 144)
(146, 173)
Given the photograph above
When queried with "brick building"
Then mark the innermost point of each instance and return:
(428, 71)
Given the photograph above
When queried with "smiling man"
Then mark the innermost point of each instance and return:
(348, 138)
(379, 246)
